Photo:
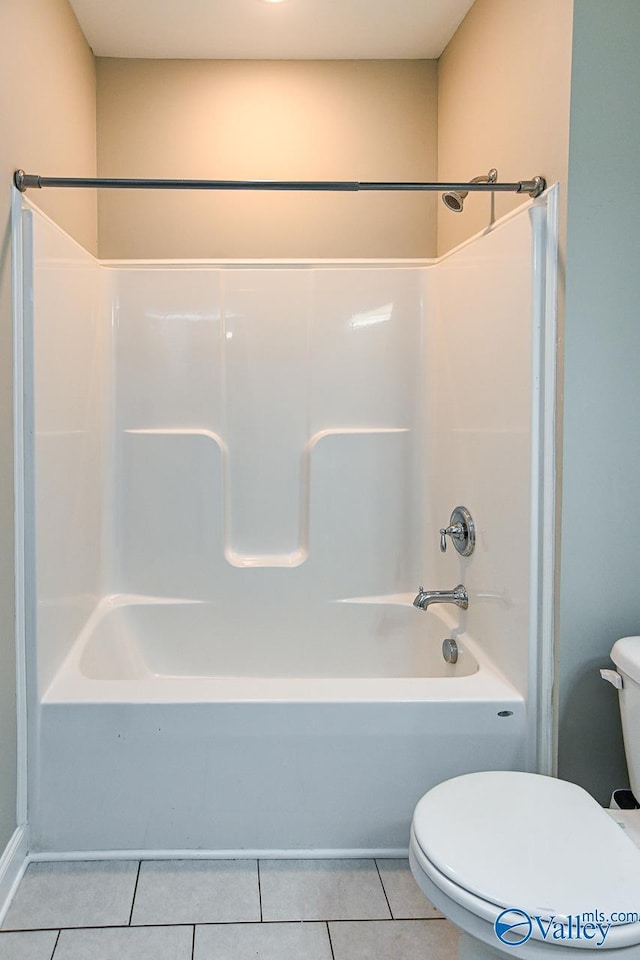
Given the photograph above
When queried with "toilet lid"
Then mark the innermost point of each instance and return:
(530, 842)
(626, 655)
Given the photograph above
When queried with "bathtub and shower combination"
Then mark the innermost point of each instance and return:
(235, 478)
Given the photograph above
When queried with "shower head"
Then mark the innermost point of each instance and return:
(454, 199)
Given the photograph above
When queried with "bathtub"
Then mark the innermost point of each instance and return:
(154, 741)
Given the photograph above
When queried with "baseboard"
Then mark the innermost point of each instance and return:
(13, 863)
(355, 854)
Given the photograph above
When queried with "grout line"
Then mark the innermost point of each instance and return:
(221, 923)
(259, 891)
(55, 946)
(333, 956)
(193, 942)
(135, 890)
(383, 889)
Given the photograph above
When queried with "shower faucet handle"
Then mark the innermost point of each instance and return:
(462, 531)
(455, 531)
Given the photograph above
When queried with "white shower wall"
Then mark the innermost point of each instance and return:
(483, 393)
(265, 421)
(65, 417)
(272, 440)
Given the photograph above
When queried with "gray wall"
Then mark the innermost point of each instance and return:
(600, 565)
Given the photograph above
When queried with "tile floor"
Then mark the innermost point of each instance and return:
(223, 910)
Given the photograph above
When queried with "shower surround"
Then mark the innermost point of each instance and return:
(235, 478)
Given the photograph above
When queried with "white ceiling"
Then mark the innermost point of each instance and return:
(254, 29)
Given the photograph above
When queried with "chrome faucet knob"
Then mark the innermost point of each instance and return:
(455, 531)
(462, 531)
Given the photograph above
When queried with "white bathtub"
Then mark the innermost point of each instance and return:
(137, 648)
(136, 758)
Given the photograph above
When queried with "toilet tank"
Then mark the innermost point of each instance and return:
(626, 656)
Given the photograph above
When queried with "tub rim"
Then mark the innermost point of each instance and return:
(71, 685)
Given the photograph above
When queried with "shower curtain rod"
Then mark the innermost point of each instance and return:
(23, 181)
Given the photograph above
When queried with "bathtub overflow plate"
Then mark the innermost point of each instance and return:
(450, 650)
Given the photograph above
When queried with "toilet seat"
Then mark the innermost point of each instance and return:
(470, 901)
(498, 840)
(627, 935)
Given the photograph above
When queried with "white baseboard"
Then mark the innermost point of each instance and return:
(13, 863)
(357, 854)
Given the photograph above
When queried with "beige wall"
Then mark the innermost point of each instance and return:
(347, 120)
(503, 101)
(47, 105)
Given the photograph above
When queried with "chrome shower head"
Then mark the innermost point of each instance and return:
(454, 199)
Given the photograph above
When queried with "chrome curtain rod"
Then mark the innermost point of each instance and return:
(23, 181)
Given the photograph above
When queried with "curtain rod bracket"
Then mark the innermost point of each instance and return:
(24, 180)
(533, 187)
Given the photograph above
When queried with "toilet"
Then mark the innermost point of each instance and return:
(530, 866)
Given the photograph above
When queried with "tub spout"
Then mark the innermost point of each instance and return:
(458, 595)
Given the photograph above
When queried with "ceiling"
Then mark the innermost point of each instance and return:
(254, 29)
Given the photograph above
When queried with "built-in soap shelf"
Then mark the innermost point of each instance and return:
(181, 432)
(348, 431)
(385, 599)
(288, 559)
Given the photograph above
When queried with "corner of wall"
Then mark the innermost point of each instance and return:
(483, 119)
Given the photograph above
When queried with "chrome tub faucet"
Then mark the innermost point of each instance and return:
(458, 595)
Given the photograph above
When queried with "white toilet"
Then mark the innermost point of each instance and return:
(530, 866)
